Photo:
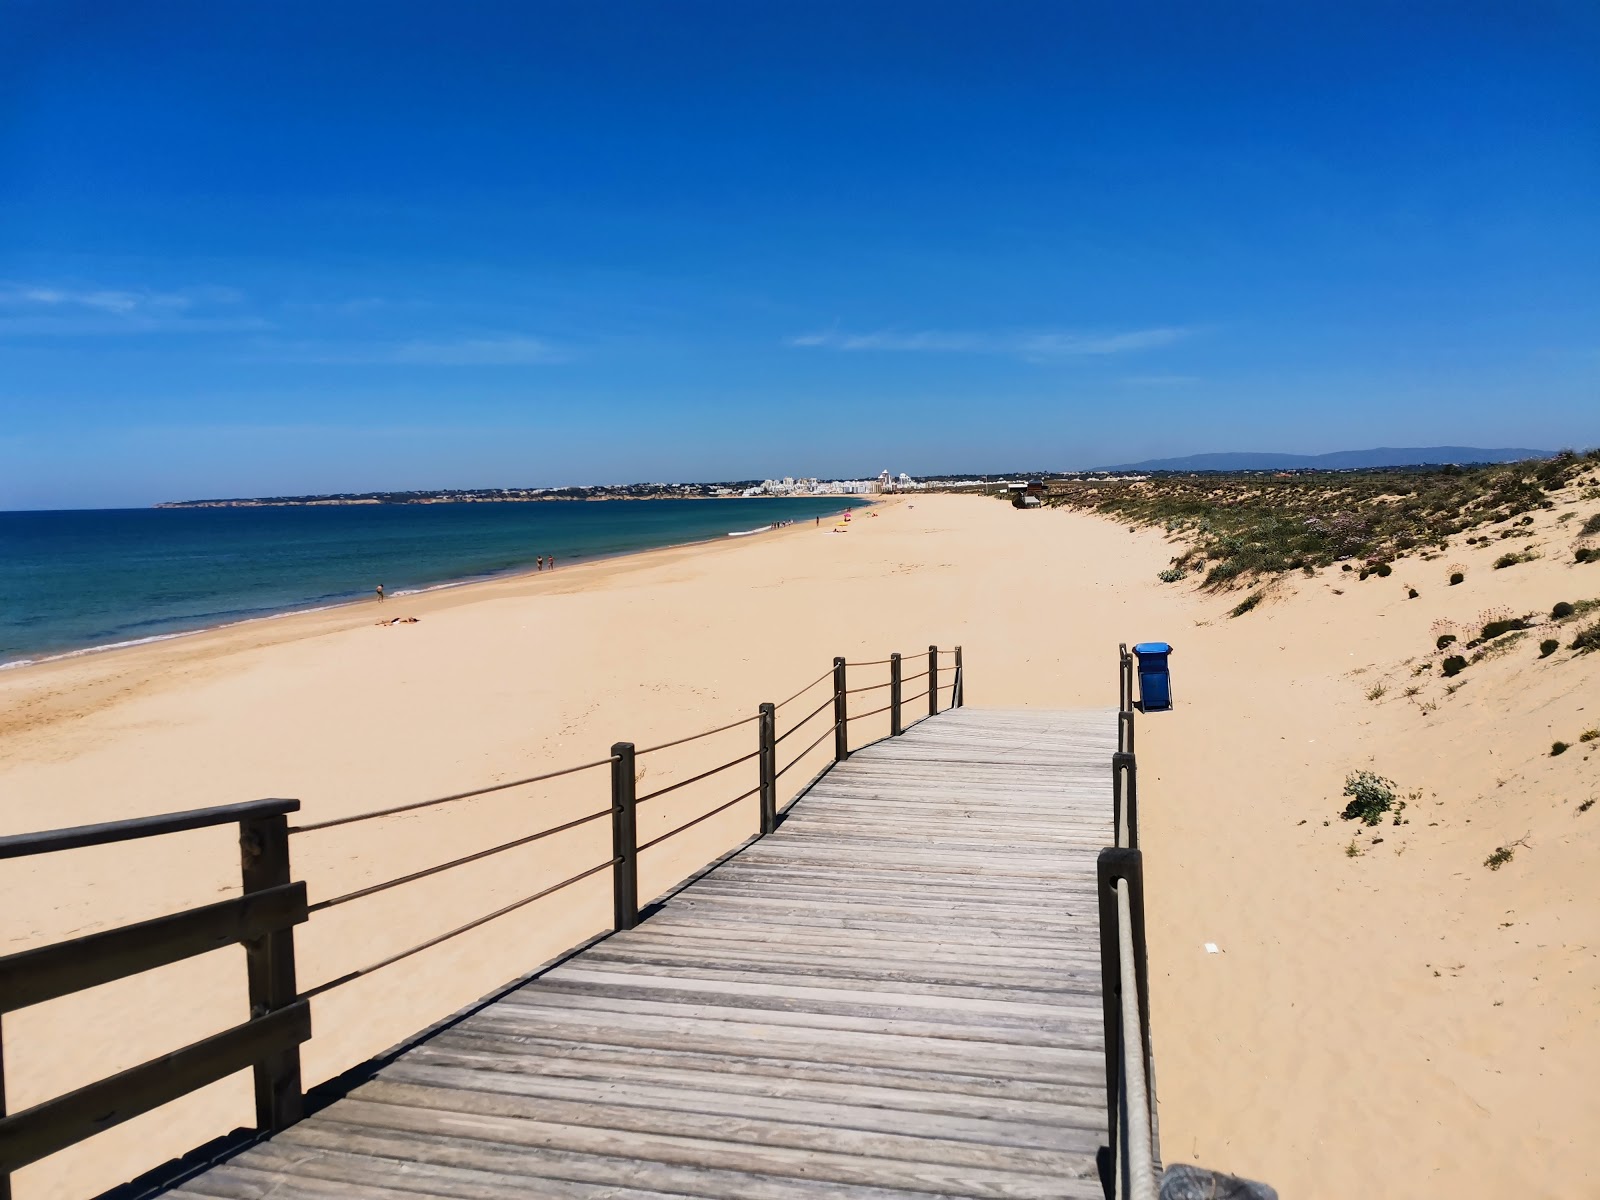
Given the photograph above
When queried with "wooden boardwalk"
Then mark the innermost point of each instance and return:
(897, 994)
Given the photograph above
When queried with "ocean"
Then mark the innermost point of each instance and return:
(79, 580)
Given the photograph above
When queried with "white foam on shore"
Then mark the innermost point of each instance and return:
(167, 637)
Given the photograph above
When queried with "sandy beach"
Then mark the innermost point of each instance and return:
(1398, 1021)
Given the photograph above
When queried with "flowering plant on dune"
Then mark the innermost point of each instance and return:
(1371, 796)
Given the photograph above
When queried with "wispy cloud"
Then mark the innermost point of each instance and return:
(1037, 344)
(503, 351)
(32, 309)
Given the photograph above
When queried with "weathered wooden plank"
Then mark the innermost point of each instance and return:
(734, 1144)
(411, 1145)
(944, 1095)
(871, 1041)
(608, 1061)
(559, 1100)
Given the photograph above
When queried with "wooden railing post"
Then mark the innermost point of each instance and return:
(841, 714)
(894, 695)
(624, 839)
(269, 962)
(933, 681)
(956, 698)
(768, 761)
(1125, 800)
(1125, 731)
(5, 1176)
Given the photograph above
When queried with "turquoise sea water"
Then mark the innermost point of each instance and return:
(75, 580)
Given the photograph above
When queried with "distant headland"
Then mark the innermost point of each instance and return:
(1339, 460)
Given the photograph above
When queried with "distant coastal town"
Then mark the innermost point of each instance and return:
(883, 483)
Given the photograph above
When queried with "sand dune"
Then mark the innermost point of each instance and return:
(1318, 1050)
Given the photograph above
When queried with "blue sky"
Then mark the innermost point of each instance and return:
(293, 247)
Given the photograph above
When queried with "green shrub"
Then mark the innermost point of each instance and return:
(1445, 639)
(1557, 748)
(1456, 577)
(1561, 609)
(1507, 560)
(1591, 526)
(1371, 796)
(1588, 640)
(1245, 605)
(1499, 858)
(1502, 645)
(1170, 575)
(1383, 570)
(1548, 647)
(1453, 665)
(1494, 629)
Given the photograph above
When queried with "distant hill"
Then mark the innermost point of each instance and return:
(1339, 460)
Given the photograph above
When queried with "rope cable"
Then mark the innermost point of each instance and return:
(498, 787)
(335, 901)
(704, 817)
(695, 736)
(826, 675)
(828, 703)
(444, 937)
(826, 733)
(696, 778)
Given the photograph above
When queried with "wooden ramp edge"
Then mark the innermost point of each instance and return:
(897, 994)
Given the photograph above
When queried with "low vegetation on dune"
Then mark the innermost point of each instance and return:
(1259, 524)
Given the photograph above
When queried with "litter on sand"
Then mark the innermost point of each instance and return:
(1211, 948)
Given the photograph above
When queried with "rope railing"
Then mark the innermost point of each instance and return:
(683, 783)
(374, 889)
(695, 737)
(826, 734)
(798, 725)
(643, 846)
(351, 976)
(873, 713)
(262, 918)
(483, 791)
(871, 687)
(823, 678)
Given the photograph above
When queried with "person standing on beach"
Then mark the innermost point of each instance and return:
(540, 563)
(380, 593)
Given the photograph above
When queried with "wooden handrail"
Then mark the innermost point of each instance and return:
(56, 1124)
(44, 973)
(48, 841)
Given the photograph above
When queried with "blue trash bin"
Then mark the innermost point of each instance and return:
(1155, 680)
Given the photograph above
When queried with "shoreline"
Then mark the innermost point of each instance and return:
(39, 659)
